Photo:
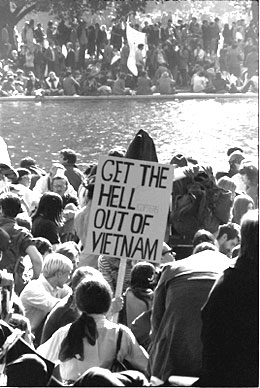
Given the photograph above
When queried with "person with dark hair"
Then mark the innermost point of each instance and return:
(48, 218)
(203, 236)
(71, 87)
(21, 239)
(249, 175)
(91, 340)
(144, 84)
(43, 245)
(230, 318)
(37, 172)
(242, 203)
(68, 159)
(139, 295)
(228, 236)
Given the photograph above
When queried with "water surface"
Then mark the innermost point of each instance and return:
(204, 129)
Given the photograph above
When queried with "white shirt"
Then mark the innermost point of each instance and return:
(41, 187)
(39, 297)
(101, 354)
(199, 83)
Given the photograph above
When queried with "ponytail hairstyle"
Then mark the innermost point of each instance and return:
(92, 296)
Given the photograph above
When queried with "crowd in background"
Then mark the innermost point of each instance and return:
(81, 59)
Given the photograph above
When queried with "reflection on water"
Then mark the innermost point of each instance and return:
(204, 129)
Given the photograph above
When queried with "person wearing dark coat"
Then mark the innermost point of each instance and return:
(230, 318)
(183, 288)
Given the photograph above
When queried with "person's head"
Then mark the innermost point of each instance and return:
(43, 246)
(50, 206)
(142, 275)
(249, 245)
(204, 246)
(242, 204)
(82, 272)
(249, 173)
(25, 176)
(27, 370)
(228, 237)
(227, 184)
(70, 250)
(235, 160)
(27, 162)
(52, 75)
(68, 155)
(59, 184)
(58, 268)
(202, 236)
(117, 151)
(55, 168)
(10, 205)
(168, 254)
(93, 296)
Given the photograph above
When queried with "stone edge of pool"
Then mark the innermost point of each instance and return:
(177, 96)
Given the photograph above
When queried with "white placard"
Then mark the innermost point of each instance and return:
(129, 208)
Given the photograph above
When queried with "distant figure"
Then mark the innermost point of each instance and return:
(70, 86)
(166, 84)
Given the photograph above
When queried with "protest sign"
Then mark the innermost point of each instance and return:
(129, 209)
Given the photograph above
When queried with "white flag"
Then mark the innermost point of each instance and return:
(134, 38)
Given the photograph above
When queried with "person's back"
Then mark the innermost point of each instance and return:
(176, 347)
(230, 330)
(69, 86)
(119, 87)
(165, 84)
(91, 340)
(143, 85)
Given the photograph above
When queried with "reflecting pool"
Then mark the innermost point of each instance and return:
(203, 129)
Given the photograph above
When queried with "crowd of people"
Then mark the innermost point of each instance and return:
(79, 59)
(193, 314)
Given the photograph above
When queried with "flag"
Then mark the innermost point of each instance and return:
(134, 38)
(64, 50)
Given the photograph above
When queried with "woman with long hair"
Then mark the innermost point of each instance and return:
(242, 203)
(249, 174)
(48, 218)
(91, 340)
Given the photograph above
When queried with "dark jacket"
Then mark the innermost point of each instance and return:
(230, 330)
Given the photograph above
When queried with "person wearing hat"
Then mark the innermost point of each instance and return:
(36, 172)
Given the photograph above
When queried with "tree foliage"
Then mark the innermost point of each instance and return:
(12, 11)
